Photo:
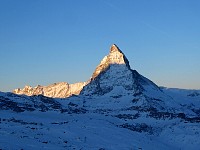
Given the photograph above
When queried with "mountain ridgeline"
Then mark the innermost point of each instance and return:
(113, 72)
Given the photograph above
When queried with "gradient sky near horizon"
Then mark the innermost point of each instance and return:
(48, 41)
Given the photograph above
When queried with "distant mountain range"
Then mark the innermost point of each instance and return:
(117, 108)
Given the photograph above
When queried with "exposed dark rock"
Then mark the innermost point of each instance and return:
(194, 94)
(138, 127)
(128, 116)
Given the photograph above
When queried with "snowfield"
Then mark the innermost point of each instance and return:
(96, 123)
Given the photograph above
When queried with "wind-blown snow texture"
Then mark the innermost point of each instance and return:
(117, 109)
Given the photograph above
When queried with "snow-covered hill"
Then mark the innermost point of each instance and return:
(116, 109)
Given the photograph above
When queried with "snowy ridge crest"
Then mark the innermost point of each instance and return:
(59, 90)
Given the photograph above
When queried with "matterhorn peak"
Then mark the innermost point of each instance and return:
(115, 57)
(114, 48)
(113, 73)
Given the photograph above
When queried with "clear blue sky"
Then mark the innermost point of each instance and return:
(48, 41)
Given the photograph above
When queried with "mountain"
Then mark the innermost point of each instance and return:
(61, 90)
(114, 72)
(114, 78)
(116, 109)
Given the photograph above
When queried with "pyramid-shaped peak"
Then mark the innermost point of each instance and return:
(114, 75)
(116, 56)
(114, 48)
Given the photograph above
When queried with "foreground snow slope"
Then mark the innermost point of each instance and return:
(96, 123)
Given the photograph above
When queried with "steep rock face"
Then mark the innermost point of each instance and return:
(59, 90)
(114, 71)
(115, 56)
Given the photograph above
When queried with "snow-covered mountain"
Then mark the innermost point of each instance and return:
(114, 72)
(61, 90)
(116, 109)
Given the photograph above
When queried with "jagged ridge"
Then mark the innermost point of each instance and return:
(61, 90)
